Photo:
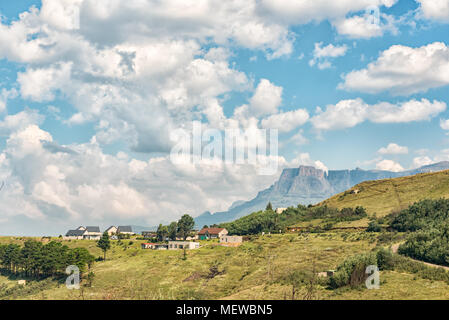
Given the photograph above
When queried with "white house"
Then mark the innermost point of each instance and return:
(92, 233)
(112, 230)
(231, 241)
(125, 230)
(89, 233)
(174, 245)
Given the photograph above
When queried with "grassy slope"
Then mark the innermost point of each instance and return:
(382, 197)
(252, 271)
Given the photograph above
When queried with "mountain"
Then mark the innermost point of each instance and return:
(307, 185)
(382, 197)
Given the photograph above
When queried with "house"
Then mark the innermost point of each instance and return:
(89, 233)
(125, 230)
(112, 230)
(174, 245)
(148, 245)
(149, 234)
(231, 241)
(92, 233)
(280, 210)
(74, 234)
(211, 233)
(160, 246)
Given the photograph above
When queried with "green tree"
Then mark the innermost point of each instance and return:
(162, 232)
(185, 225)
(173, 230)
(104, 244)
(269, 207)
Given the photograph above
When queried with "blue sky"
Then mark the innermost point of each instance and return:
(89, 95)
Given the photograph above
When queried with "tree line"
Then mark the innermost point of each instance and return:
(39, 260)
(270, 221)
(181, 228)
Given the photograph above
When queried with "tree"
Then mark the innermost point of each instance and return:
(162, 232)
(205, 226)
(185, 225)
(104, 244)
(269, 207)
(173, 230)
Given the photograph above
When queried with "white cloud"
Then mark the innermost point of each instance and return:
(321, 55)
(79, 184)
(5, 95)
(389, 165)
(266, 99)
(435, 9)
(403, 70)
(421, 161)
(349, 113)
(366, 26)
(444, 124)
(304, 159)
(286, 121)
(393, 148)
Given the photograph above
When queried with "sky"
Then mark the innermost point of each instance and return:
(92, 94)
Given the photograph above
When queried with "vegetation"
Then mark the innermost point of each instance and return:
(269, 221)
(104, 244)
(181, 228)
(382, 197)
(37, 260)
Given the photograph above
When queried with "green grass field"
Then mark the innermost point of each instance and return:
(252, 271)
(382, 197)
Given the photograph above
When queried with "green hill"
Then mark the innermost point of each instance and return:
(382, 197)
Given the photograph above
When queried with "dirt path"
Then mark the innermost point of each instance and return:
(395, 248)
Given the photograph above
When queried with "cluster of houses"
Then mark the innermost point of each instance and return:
(94, 233)
(203, 234)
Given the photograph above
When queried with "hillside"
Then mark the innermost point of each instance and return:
(259, 269)
(307, 185)
(382, 197)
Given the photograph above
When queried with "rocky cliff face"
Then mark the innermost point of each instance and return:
(307, 185)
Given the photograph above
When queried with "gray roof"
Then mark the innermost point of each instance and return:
(75, 233)
(125, 229)
(93, 229)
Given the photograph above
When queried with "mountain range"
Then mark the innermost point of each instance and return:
(307, 185)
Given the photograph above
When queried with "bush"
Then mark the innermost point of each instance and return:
(374, 226)
(352, 271)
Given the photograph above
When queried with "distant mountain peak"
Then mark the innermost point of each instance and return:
(307, 185)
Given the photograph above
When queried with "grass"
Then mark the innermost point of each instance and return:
(252, 271)
(382, 197)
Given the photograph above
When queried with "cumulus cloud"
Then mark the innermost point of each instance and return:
(321, 55)
(421, 161)
(349, 113)
(435, 9)
(286, 121)
(266, 99)
(78, 184)
(403, 70)
(368, 25)
(389, 165)
(393, 148)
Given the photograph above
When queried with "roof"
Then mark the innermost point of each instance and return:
(75, 233)
(111, 228)
(125, 229)
(211, 230)
(93, 229)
